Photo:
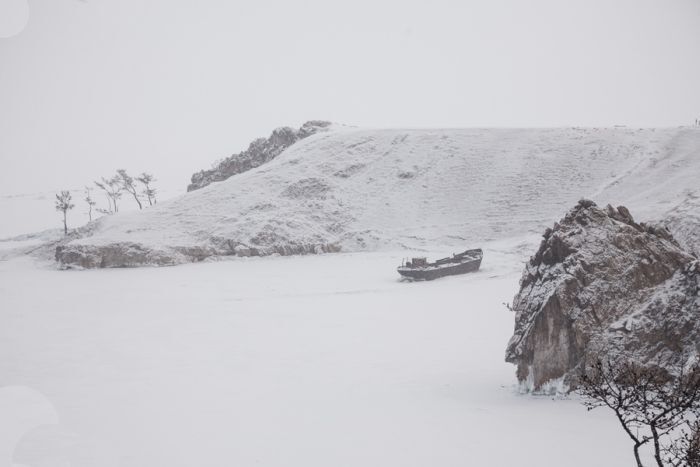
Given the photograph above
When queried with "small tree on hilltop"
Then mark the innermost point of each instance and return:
(146, 179)
(657, 406)
(63, 204)
(113, 191)
(103, 186)
(90, 202)
(127, 182)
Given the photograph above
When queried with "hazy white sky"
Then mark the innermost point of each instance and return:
(169, 86)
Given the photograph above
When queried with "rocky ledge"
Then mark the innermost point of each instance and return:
(600, 282)
(132, 254)
(260, 151)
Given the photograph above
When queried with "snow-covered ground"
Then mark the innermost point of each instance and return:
(321, 360)
(277, 361)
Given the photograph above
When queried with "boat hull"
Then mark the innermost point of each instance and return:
(431, 273)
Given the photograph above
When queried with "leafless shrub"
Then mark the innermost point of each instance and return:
(127, 183)
(63, 204)
(90, 202)
(113, 190)
(654, 405)
(146, 179)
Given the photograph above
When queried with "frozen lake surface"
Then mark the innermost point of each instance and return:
(281, 361)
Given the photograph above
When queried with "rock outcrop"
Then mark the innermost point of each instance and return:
(125, 254)
(130, 254)
(600, 282)
(260, 151)
(684, 221)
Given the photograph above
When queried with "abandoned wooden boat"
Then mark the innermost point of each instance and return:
(421, 269)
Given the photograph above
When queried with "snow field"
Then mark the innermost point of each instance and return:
(279, 361)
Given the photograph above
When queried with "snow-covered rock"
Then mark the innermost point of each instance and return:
(445, 189)
(260, 151)
(684, 221)
(600, 282)
(125, 254)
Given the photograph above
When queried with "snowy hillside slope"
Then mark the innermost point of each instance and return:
(666, 186)
(359, 189)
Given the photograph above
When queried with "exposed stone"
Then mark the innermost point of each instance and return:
(109, 256)
(683, 220)
(350, 170)
(307, 188)
(260, 151)
(125, 254)
(601, 282)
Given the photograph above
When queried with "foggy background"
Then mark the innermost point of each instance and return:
(169, 87)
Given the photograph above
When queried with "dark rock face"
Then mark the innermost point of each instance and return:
(122, 255)
(600, 282)
(260, 151)
(129, 254)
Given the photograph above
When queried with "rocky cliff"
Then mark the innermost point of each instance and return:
(600, 282)
(260, 151)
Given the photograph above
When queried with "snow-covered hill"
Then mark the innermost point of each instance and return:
(359, 189)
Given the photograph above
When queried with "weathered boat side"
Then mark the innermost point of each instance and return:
(418, 269)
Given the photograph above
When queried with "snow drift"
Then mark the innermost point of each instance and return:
(359, 189)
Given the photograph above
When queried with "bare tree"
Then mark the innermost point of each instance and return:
(685, 451)
(90, 202)
(146, 179)
(104, 187)
(113, 191)
(127, 182)
(63, 204)
(653, 404)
